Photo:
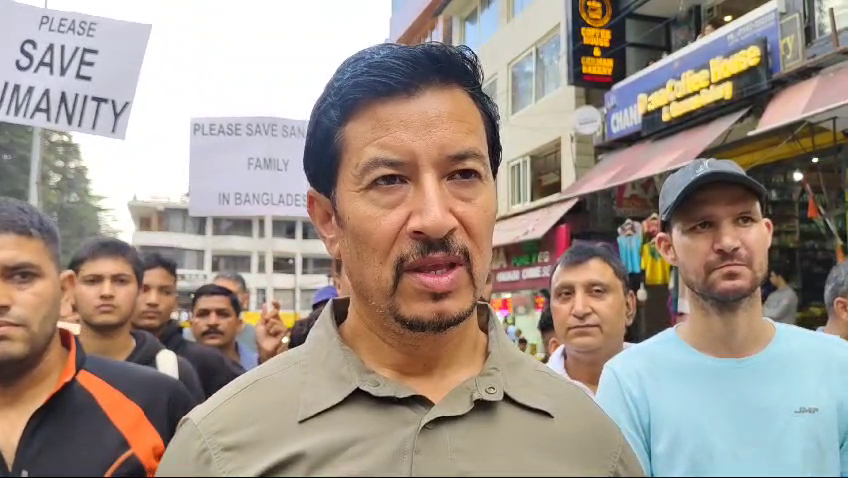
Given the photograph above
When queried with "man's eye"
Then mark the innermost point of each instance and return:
(23, 276)
(466, 175)
(389, 180)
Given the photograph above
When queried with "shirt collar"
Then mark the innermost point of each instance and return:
(334, 371)
(247, 359)
(557, 364)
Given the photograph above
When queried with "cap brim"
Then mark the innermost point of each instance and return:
(714, 177)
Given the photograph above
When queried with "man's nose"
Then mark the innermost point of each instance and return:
(5, 298)
(727, 239)
(580, 306)
(151, 299)
(432, 217)
(107, 289)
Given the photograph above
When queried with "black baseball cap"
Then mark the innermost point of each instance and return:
(699, 173)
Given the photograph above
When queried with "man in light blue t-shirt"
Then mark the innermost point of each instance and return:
(728, 392)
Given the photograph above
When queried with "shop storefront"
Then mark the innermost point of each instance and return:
(731, 96)
(521, 274)
(697, 99)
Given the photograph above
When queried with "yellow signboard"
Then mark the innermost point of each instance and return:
(695, 89)
(597, 15)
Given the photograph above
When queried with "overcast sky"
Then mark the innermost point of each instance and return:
(217, 58)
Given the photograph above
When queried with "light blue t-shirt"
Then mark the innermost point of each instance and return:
(781, 412)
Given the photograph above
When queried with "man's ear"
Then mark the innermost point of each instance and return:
(630, 308)
(666, 248)
(323, 216)
(68, 282)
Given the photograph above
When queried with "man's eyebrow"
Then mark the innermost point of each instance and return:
(375, 163)
(468, 155)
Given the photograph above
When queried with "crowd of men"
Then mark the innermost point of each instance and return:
(407, 372)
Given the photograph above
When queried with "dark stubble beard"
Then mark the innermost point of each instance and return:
(13, 370)
(438, 324)
(723, 303)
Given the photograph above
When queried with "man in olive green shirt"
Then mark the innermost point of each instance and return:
(410, 375)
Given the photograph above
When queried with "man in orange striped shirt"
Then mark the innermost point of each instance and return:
(62, 413)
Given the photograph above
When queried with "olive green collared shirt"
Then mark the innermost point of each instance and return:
(318, 410)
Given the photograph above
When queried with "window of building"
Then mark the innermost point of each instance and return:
(317, 265)
(232, 227)
(285, 229)
(536, 74)
(282, 265)
(480, 23)
(491, 89)
(307, 296)
(185, 258)
(518, 6)
(178, 220)
(535, 177)
(822, 15)
(519, 182)
(309, 231)
(230, 263)
(286, 299)
(471, 30)
(261, 294)
(145, 224)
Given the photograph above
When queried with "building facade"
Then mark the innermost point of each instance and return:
(287, 262)
(758, 82)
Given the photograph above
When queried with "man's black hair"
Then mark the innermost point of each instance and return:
(583, 252)
(782, 270)
(212, 290)
(233, 276)
(386, 71)
(102, 247)
(300, 329)
(546, 320)
(155, 260)
(19, 218)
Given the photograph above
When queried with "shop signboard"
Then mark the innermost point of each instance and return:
(524, 266)
(680, 72)
(594, 43)
(725, 78)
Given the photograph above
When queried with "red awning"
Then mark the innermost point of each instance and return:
(649, 158)
(531, 225)
(814, 99)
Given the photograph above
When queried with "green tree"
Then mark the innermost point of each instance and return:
(64, 188)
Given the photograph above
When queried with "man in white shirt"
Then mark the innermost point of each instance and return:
(592, 308)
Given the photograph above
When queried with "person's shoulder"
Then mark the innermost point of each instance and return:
(137, 382)
(643, 354)
(275, 385)
(815, 342)
(577, 418)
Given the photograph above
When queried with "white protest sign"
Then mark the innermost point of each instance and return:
(247, 167)
(68, 71)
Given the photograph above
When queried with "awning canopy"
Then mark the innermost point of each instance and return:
(649, 158)
(817, 99)
(531, 225)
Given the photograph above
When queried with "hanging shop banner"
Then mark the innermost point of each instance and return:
(247, 167)
(595, 43)
(681, 75)
(67, 71)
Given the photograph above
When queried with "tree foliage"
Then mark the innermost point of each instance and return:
(64, 187)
